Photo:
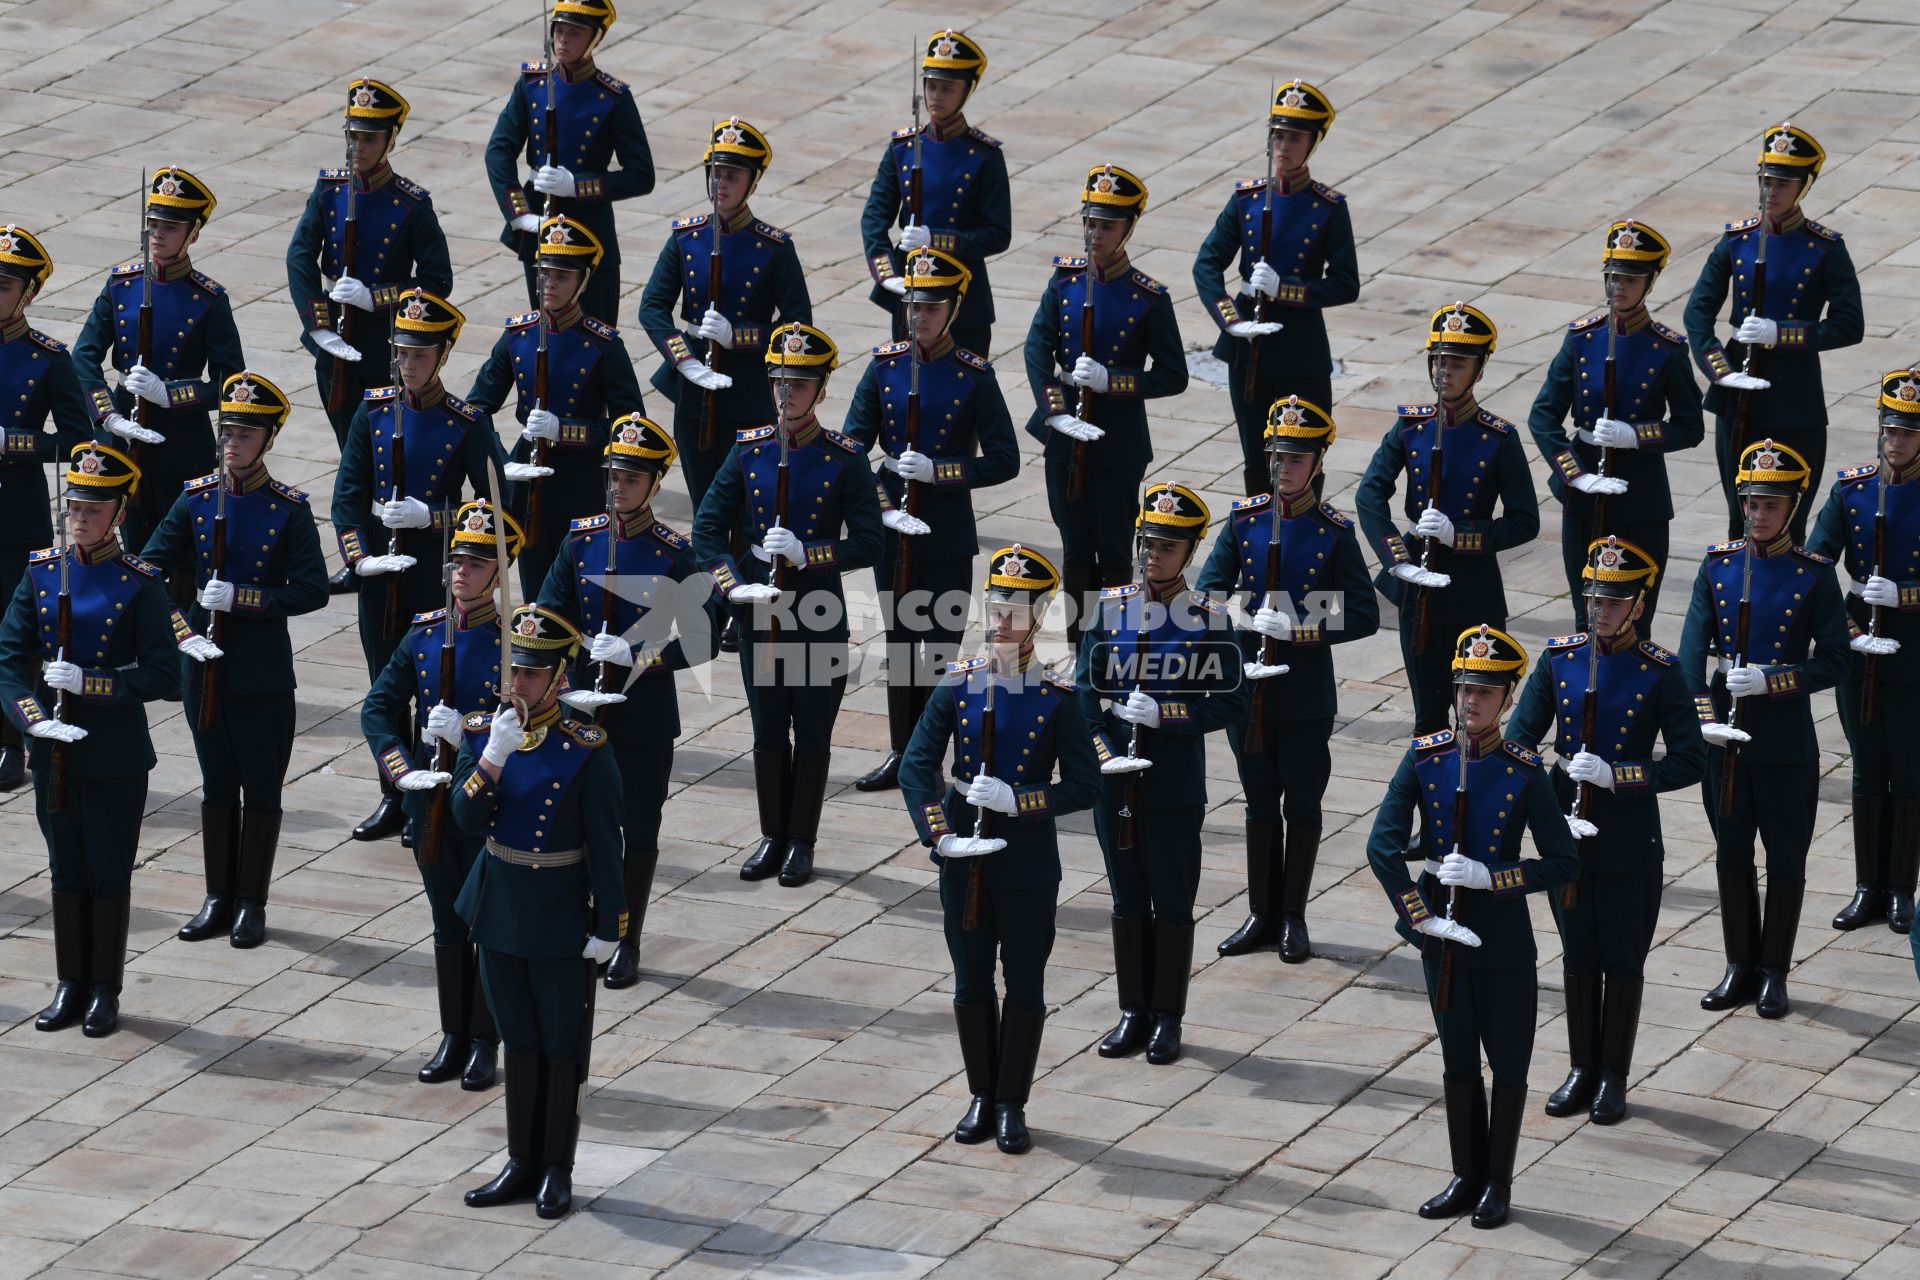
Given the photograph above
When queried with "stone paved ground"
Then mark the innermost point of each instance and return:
(772, 1098)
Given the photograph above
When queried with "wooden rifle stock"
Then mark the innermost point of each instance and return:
(1083, 405)
(1256, 739)
(340, 386)
(216, 620)
(392, 619)
(977, 872)
(537, 453)
(1735, 715)
(431, 840)
(63, 644)
(903, 543)
(1443, 998)
(1870, 664)
(1436, 464)
(710, 402)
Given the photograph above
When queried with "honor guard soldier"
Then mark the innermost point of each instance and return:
(1477, 947)
(711, 372)
(411, 448)
(37, 377)
(1104, 341)
(637, 584)
(1795, 295)
(1443, 573)
(540, 789)
(1292, 240)
(1164, 659)
(1771, 613)
(376, 236)
(87, 639)
(460, 640)
(804, 498)
(1628, 385)
(572, 122)
(1297, 564)
(991, 829)
(944, 184)
(1872, 521)
(253, 551)
(159, 413)
(929, 470)
(570, 376)
(1606, 697)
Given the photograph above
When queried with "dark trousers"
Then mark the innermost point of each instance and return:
(1290, 774)
(646, 767)
(1773, 802)
(798, 703)
(366, 374)
(1884, 759)
(93, 840)
(699, 465)
(246, 752)
(1015, 924)
(539, 1006)
(446, 875)
(576, 489)
(1609, 928)
(924, 628)
(1810, 444)
(420, 590)
(1430, 674)
(13, 564)
(600, 299)
(1576, 532)
(1159, 877)
(1492, 1012)
(1096, 532)
(1250, 414)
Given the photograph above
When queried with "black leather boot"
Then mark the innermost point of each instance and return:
(219, 852)
(730, 636)
(480, 1071)
(1503, 1142)
(13, 757)
(71, 920)
(1261, 929)
(1776, 945)
(1903, 862)
(1870, 871)
(1740, 934)
(1075, 582)
(387, 817)
(106, 963)
(562, 1132)
(803, 821)
(1296, 882)
(259, 841)
(979, 1028)
(344, 582)
(1172, 968)
(900, 720)
(1575, 1094)
(1132, 965)
(449, 985)
(521, 1174)
(772, 787)
(1619, 1024)
(1466, 1102)
(1020, 1029)
(639, 864)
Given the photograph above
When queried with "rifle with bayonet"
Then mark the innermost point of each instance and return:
(216, 619)
(340, 387)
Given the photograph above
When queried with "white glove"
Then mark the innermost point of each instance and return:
(216, 596)
(1261, 671)
(588, 700)
(715, 327)
(145, 383)
(1276, 623)
(1580, 829)
(1447, 931)
(1264, 280)
(702, 377)
(754, 593)
(915, 237)
(1420, 577)
(523, 471)
(200, 649)
(988, 792)
(1612, 433)
(541, 425)
(1139, 708)
(503, 737)
(1746, 682)
(405, 513)
(1722, 734)
(1252, 328)
(910, 466)
(1434, 523)
(598, 950)
(1884, 592)
(368, 566)
(552, 180)
(58, 730)
(1068, 425)
(895, 284)
(607, 647)
(783, 543)
(1875, 646)
(529, 222)
(900, 522)
(350, 292)
(1588, 767)
(61, 675)
(128, 429)
(443, 725)
(1089, 373)
(1744, 382)
(422, 780)
(1587, 483)
(968, 846)
(1757, 330)
(335, 345)
(1459, 869)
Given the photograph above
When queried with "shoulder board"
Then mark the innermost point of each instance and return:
(987, 138)
(1251, 184)
(198, 483)
(1587, 321)
(890, 350)
(428, 618)
(1825, 233)
(126, 269)
(1207, 604)
(774, 234)
(1064, 684)
(1148, 283)
(533, 68)
(1726, 548)
(1069, 262)
(1334, 516)
(1745, 224)
(138, 565)
(901, 135)
(478, 722)
(1814, 556)
(690, 224)
(334, 175)
(848, 443)
(1254, 503)
(669, 536)
(465, 410)
(584, 732)
(54, 345)
(522, 321)
(1327, 193)
(751, 434)
(1434, 741)
(1494, 422)
(587, 524)
(1531, 759)
(208, 283)
(965, 665)
(286, 490)
(1674, 336)
(1659, 655)
(1567, 642)
(1120, 592)
(972, 360)
(45, 553)
(381, 393)
(1846, 474)
(1417, 410)
(618, 86)
(598, 328)
(408, 186)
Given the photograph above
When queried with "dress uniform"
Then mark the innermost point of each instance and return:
(966, 203)
(1165, 660)
(1880, 697)
(1608, 470)
(408, 692)
(800, 550)
(1292, 241)
(638, 585)
(1095, 464)
(1297, 564)
(545, 795)
(991, 830)
(1808, 302)
(398, 247)
(1461, 462)
(1476, 946)
(715, 363)
(1607, 919)
(1756, 714)
(38, 379)
(589, 381)
(195, 346)
(253, 555)
(595, 123)
(82, 704)
(395, 524)
(944, 431)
